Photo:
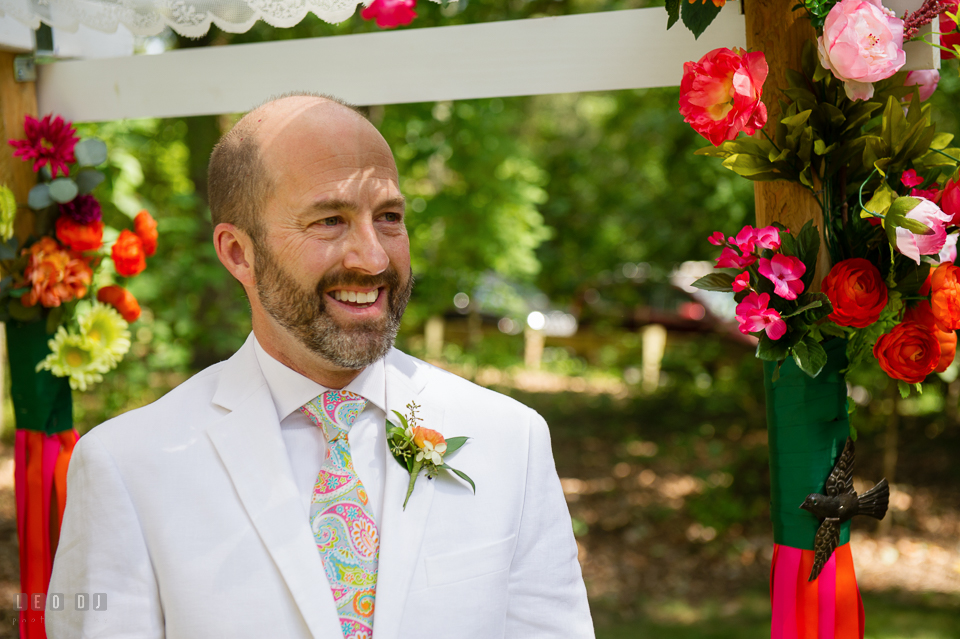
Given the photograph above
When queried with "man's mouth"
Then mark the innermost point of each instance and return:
(356, 298)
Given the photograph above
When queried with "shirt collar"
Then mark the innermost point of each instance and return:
(290, 390)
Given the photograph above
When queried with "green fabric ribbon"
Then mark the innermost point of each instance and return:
(808, 426)
(40, 400)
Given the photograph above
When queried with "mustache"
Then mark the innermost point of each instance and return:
(389, 278)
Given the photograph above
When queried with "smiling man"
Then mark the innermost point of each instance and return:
(260, 497)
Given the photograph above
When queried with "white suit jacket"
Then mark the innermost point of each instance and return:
(186, 515)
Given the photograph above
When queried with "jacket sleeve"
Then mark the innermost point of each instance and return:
(546, 594)
(102, 551)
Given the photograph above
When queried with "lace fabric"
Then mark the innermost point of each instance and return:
(191, 18)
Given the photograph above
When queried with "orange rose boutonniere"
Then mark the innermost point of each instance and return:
(420, 449)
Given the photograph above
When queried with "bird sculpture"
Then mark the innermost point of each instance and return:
(839, 505)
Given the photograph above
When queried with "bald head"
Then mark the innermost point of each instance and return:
(247, 163)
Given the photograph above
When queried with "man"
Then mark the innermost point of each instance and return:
(214, 511)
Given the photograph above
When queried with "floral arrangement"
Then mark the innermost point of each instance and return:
(52, 276)
(854, 131)
(420, 449)
(390, 13)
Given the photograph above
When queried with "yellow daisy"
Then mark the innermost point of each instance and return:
(74, 357)
(106, 330)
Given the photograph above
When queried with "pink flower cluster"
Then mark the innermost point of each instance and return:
(937, 210)
(784, 271)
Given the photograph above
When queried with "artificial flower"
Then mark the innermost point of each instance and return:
(856, 291)
(122, 300)
(768, 237)
(49, 142)
(146, 229)
(925, 80)
(753, 316)
(913, 245)
(785, 272)
(949, 251)
(390, 13)
(862, 43)
(910, 178)
(944, 288)
(105, 329)
(909, 352)
(74, 357)
(8, 213)
(746, 239)
(922, 314)
(128, 255)
(950, 200)
(716, 3)
(720, 94)
(82, 209)
(949, 34)
(717, 239)
(730, 258)
(741, 282)
(54, 275)
(79, 237)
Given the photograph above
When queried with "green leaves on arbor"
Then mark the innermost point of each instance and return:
(696, 16)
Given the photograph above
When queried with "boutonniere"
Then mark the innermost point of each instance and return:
(420, 449)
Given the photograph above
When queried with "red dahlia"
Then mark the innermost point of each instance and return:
(48, 142)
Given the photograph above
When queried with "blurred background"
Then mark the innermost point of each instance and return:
(553, 239)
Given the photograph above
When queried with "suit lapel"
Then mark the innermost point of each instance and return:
(249, 444)
(401, 531)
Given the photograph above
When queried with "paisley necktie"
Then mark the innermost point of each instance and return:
(340, 516)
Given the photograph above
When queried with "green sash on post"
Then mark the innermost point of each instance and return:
(40, 401)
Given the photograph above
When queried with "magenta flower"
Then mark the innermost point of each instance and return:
(768, 238)
(910, 178)
(785, 272)
(741, 282)
(390, 13)
(753, 316)
(729, 258)
(746, 239)
(83, 209)
(717, 239)
(913, 246)
(926, 81)
(48, 142)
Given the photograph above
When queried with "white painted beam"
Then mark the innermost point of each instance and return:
(588, 52)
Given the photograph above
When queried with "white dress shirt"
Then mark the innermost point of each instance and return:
(306, 443)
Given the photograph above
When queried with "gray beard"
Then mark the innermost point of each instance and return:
(304, 313)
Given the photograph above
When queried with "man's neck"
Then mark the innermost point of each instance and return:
(292, 354)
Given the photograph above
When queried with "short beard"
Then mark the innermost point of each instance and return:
(304, 313)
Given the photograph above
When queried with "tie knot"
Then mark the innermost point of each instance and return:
(335, 411)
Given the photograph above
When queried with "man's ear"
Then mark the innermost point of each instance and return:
(235, 250)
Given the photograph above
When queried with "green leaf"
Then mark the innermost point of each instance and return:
(809, 356)
(403, 420)
(89, 179)
(39, 197)
(23, 313)
(462, 475)
(697, 16)
(815, 304)
(454, 444)
(882, 198)
(63, 190)
(808, 248)
(904, 388)
(8, 207)
(415, 470)
(90, 152)
(8, 250)
(673, 12)
(718, 281)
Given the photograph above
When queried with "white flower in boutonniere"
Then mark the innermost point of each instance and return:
(420, 449)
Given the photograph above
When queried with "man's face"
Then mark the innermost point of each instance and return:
(333, 265)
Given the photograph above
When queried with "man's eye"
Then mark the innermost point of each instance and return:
(391, 217)
(330, 221)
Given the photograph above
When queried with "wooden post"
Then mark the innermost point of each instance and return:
(17, 99)
(780, 32)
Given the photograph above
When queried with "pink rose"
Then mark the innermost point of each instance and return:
(862, 43)
(785, 273)
(930, 215)
(949, 251)
(730, 258)
(741, 282)
(720, 94)
(390, 13)
(753, 315)
(926, 81)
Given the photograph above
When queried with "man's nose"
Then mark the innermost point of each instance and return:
(365, 253)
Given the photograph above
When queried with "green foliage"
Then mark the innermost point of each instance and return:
(697, 15)
(817, 10)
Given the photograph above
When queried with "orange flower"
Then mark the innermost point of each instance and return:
(79, 237)
(856, 292)
(146, 229)
(944, 289)
(909, 352)
(54, 275)
(923, 315)
(127, 254)
(432, 445)
(122, 300)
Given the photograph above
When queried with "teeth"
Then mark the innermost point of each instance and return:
(359, 298)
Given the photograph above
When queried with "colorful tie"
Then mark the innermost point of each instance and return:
(343, 527)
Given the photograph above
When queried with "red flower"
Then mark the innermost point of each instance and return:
(48, 142)
(944, 287)
(948, 28)
(909, 352)
(146, 229)
(122, 300)
(950, 200)
(79, 237)
(128, 255)
(720, 94)
(910, 178)
(922, 314)
(856, 291)
(390, 13)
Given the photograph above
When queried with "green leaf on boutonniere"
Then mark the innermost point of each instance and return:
(462, 475)
(454, 444)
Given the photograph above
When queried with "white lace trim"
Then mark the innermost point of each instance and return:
(191, 18)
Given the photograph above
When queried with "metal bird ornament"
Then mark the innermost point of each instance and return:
(840, 504)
